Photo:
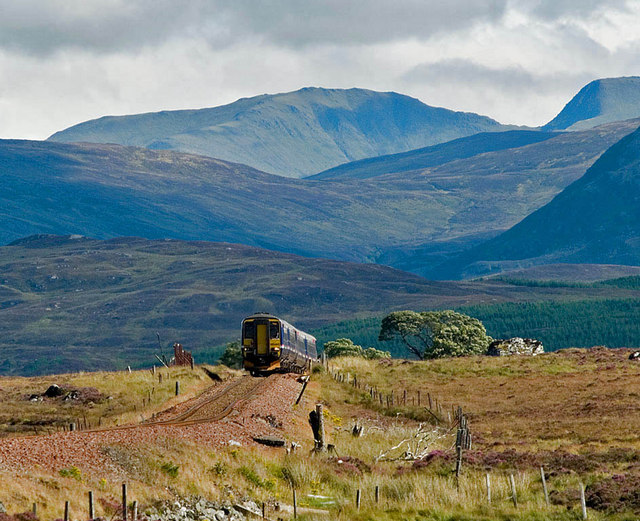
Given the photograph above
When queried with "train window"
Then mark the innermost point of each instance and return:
(249, 329)
(274, 330)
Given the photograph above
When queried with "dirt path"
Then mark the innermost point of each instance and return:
(238, 411)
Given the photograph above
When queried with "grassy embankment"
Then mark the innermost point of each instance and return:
(573, 412)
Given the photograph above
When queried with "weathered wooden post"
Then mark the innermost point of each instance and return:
(377, 495)
(358, 499)
(320, 413)
(264, 511)
(34, 510)
(418, 398)
(544, 486)
(514, 497)
(488, 479)
(91, 510)
(295, 505)
(134, 515)
(177, 387)
(583, 502)
(66, 511)
(124, 502)
(458, 464)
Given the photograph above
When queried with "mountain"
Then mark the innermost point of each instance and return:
(481, 194)
(72, 303)
(292, 134)
(594, 220)
(434, 155)
(601, 101)
(106, 191)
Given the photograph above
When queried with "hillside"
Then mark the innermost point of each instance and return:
(601, 101)
(594, 220)
(292, 134)
(109, 190)
(486, 191)
(71, 303)
(434, 155)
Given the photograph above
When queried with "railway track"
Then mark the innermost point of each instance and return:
(218, 405)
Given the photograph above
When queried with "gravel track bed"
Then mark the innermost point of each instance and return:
(252, 416)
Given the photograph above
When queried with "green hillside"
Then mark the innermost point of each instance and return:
(601, 101)
(71, 303)
(292, 134)
(434, 155)
(594, 220)
(405, 220)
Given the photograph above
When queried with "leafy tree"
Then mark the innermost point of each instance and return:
(232, 356)
(435, 334)
(342, 347)
(372, 353)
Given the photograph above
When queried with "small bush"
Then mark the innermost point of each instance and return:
(232, 356)
(170, 469)
(71, 472)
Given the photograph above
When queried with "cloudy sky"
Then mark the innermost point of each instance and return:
(518, 61)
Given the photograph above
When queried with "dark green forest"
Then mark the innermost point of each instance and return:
(582, 323)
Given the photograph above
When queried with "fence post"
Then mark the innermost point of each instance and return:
(124, 502)
(377, 494)
(295, 505)
(488, 479)
(177, 387)
(91, 511)
(513, 490)
(66, 511)
(135, 511)
(583, 502)
(358, 499)
(34, 509)
(544, 486)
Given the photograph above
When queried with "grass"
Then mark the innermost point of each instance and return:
(126, 398)
(561, 409)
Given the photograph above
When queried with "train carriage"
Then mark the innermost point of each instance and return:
(270, 344)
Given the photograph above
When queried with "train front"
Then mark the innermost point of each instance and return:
(261, 343)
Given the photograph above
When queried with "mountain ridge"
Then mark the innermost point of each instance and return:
(593, 220)
(293, 134)
(600, 101)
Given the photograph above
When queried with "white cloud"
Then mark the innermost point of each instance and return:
(519, 61)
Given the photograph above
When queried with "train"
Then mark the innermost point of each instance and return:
(270, 344)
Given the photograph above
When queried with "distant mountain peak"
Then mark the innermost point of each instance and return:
(292, 133)
(600, 101)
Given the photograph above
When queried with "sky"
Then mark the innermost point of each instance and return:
(519, 61)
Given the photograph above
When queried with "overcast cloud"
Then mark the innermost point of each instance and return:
(519, 61)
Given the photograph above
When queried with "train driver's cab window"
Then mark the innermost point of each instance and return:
(275, 330)
(249, 329)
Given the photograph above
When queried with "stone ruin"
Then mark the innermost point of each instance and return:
(515, 346)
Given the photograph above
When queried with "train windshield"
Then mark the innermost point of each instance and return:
(274, 330)
(249, 329)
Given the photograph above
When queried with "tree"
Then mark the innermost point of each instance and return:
(342, 347)
(232, 356)
(371, 353)
(435, 334)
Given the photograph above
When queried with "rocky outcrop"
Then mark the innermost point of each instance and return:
(515, 346)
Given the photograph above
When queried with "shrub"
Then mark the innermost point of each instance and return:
(71, 472)
(232, 356)
(346, 347)
(170, 469)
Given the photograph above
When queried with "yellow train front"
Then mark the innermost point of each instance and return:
(270, 344)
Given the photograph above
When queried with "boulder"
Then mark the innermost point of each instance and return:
(54, 391)
(515, 346)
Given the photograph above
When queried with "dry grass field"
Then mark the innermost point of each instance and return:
(573, 412)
